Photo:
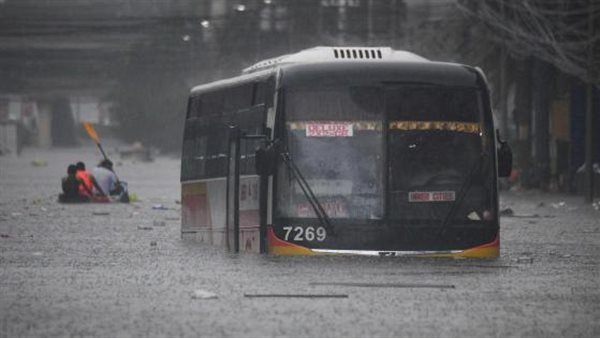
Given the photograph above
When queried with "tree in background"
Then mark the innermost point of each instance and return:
(559, 32)
(541, 42)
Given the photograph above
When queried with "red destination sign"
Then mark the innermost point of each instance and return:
(329, 130)
(431, 196)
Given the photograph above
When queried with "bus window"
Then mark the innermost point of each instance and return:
(239, 97)
(212, 104)
(201, 153)
(333, 103)
(195, 106)
(263, 93)
(436, 145)
(188, 112)
(259, 93)
(429, 103)
(186, 156)
(187, 150)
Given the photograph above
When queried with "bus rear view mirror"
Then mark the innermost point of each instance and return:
(266, 161)
(504, 158)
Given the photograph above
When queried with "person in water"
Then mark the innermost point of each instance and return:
(89, 183)
(109, 182)
(106, 178)
(71, 186)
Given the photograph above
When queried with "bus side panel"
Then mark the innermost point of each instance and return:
(203, 211)
(217, 201)
(204, 217)
(195, 212)
(249, 215)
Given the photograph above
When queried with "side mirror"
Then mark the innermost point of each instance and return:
(266, 160)
(504, 158)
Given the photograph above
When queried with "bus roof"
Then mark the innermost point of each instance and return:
(357, 64)
(244, 78)
(339, 54)
(430, 73)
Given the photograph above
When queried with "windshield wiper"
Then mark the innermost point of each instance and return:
(462, 193)
(308, 193)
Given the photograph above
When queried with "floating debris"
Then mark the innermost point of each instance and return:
(100, 213)
(203, 294)
(137, 152)
(591, 231)
(387, 285)
(558, 205)
(133, 197)
(158, 223)
(281, 295)
(141, 227)
(530, 216)
(507, 212)
(153, 243)
(525, 260)
(39, 163)
(159, 207)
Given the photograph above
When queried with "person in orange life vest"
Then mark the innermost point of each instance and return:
(70, 186)
(89, 182)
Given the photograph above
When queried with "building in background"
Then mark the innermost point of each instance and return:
(132, 63)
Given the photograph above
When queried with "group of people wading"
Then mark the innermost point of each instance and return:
(99, 185)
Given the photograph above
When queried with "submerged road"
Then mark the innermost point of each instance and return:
(122, 270)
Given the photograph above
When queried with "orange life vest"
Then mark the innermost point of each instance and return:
(87, 181)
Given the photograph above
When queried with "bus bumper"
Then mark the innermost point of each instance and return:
(280, 247)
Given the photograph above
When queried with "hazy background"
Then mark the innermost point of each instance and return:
(128, 65)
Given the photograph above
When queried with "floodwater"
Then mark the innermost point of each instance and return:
(122, 270)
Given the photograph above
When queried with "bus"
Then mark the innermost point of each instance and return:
(344, 150)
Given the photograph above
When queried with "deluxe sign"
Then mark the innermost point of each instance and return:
(329, 130)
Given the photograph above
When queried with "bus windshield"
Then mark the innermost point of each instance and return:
(436, 149)
(334, 136)
(431, 155)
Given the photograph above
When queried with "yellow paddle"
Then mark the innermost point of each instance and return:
(89, 128)
(94, 136)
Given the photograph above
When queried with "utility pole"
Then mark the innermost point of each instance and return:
(589, 113)
(370, 23)
(502, 98)
(320, 20)
(341, 24)
(393, 24)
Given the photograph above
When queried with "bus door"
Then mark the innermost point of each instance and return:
(246, 196)
(232, 221)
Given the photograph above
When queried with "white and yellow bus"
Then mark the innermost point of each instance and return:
(357, 150)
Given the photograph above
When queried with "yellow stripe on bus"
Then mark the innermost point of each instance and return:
(463, 127)
(356, 125)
